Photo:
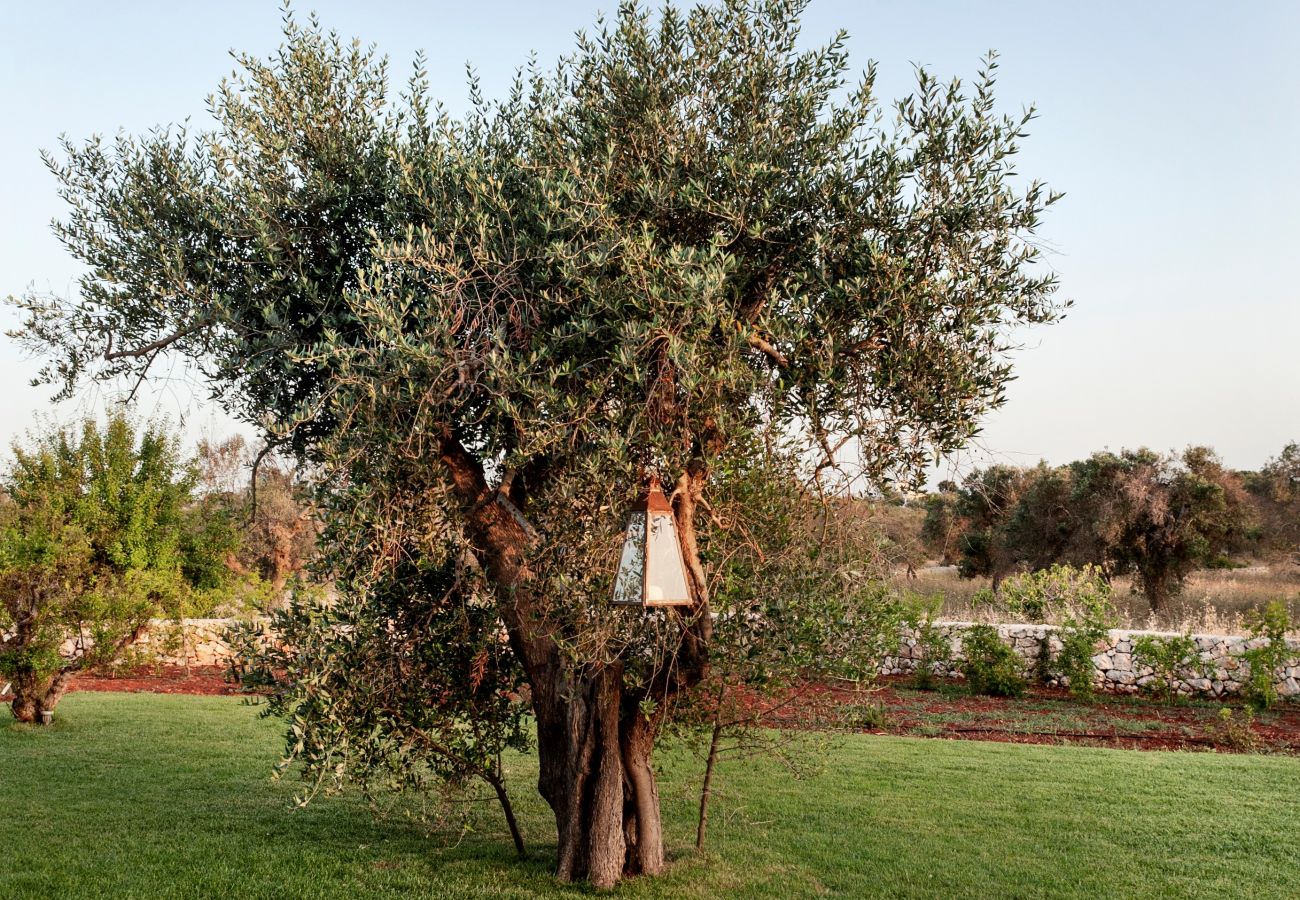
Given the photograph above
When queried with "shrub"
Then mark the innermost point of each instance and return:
(1271, 623)
(1170, 659)
(1235, 732)
(1090, 615)
(1043, 671)
(92, 546)
(1059, 592)
(990, 666)
(1079, 640)
(1080, 599)
(933, 647)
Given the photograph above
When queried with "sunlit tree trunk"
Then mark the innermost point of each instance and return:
(595, 743)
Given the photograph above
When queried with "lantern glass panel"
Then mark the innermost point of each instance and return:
(665, 578)
(629, 583)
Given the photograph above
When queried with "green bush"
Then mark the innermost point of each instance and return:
(93, 526)
(990, 666)
(1079, 640)
(933, 647)
(1061, 592)
(1170, 659)
(1080, 600)
(1271, 623)
(1236, 733)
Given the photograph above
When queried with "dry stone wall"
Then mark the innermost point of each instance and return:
(1115, 666)
(199, 642)
(195, 642)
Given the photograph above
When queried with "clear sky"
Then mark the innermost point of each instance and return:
(1173, 128)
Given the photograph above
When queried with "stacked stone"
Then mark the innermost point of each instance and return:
(1117, 668)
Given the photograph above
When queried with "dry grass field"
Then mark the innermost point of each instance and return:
(1214, 601)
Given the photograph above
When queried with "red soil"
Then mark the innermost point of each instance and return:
(1043, 717)
(205, 680)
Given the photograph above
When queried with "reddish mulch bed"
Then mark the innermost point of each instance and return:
(1043, 716)
(205, 680)
(1047, 716)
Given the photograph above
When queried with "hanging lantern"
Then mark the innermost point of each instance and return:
(652, 571)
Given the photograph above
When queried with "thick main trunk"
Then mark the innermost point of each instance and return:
(34, 696)
(595, 751)
(1155, 584)
(595, 744)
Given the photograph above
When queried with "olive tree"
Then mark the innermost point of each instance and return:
(1158, 517)
(488, 331)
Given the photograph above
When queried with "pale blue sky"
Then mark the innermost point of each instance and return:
(1172, 127)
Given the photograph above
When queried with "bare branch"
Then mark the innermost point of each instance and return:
(262, 454)
(768, 350)
(154, 346)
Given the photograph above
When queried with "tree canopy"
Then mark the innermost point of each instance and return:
(1134, 512)
(94, 542)
(691, 239)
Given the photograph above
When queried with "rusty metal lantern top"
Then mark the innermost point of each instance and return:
(652, 571)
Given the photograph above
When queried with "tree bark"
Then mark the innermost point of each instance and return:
(595, 742)
(34, 696)
(706, 789)
(596, 772)
(1155, 586)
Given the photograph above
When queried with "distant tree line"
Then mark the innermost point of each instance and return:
(1156, 517)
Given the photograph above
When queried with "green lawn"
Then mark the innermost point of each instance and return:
(167, 796)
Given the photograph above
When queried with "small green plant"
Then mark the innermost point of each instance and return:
(933, 650)
(1172, 659)
(1235, 732)
(1079, 640)
(1271, 623)
(990, 666)
(869, 716)
(1080, 599)
(1043, 671)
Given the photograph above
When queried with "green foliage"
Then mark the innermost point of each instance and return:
(990, 666)
(800, 599)
(933, 646)
(1059, 592)
(1079, 600)
(211, 537)
(985, 499)
(1172, 661)
(407, 685)
(1236, 731)
(94, 542)
(1275, 490)
(799, 595)
(1268, 628)
(1073, 662)
(1157, 517)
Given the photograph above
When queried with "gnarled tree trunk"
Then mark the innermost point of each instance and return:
(595, 743)
(34, 695)
(595, 747)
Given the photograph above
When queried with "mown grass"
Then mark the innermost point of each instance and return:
(166, 796)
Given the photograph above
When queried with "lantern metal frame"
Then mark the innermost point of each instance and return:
(638, 539)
